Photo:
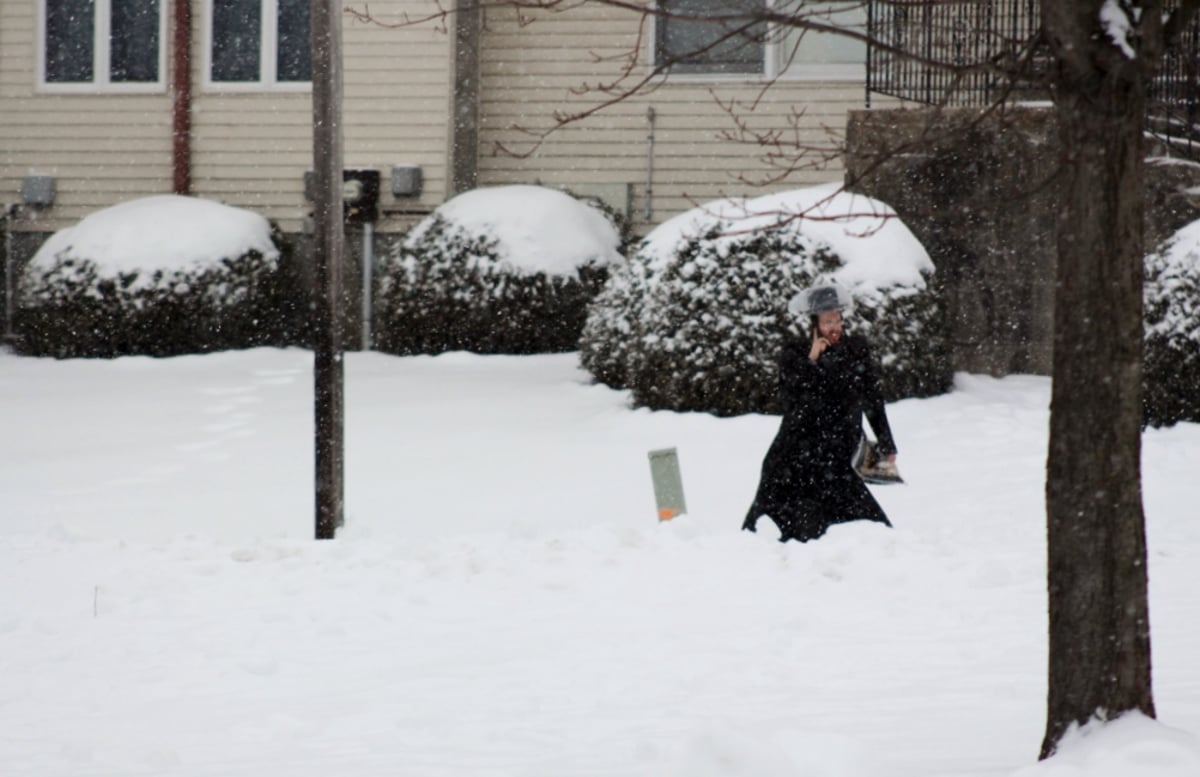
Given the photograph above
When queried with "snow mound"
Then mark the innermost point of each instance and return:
(876, 247)
(536, 229)
(160, 276)
(1131, 744)
(165, 232)
(509, 269)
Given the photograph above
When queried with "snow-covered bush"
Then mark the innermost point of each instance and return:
(501, 270)
(697, 317)
(157, 276)
(1171, 377)
(608, 342)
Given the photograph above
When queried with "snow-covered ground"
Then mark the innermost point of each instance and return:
(503, 602)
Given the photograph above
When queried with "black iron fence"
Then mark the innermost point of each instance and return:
(935, 52)
(976, 52)
(1173, 100)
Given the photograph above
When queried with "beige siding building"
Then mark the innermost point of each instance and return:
(104, 141)
(693, 137)
(465, 97)
(101, 144)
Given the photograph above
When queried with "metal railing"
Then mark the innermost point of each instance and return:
(922, 50)
(976, 52)
(1173, 100)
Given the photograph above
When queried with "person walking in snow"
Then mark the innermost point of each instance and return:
(827, 383)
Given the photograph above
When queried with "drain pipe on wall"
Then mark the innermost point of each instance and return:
(648, 210)
(181, 99)
(368, 270)
(9, 215)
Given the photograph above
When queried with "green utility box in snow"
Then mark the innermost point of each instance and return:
(668, 485)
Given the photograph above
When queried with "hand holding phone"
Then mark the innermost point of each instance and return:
(819, 345)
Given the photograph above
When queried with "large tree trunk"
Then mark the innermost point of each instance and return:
(1099, 663)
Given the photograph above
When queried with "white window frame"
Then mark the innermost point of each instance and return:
(774, 53)
(694, 76)
(777, 52)
(268, 48)
(101, 54)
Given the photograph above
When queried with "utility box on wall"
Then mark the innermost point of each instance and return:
(406, 181)
(38, 190)
(360, 194)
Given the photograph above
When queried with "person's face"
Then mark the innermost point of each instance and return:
(829, 326)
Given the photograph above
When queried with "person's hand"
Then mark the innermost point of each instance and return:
(818, 347)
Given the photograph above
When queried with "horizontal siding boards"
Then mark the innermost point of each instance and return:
(64, 134)
(18, 20)
(252, 148)
(533, 71)
(249, 148)
(79, 113)
(101, 149)
(396, 93)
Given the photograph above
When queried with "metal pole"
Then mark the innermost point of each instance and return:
(9, 271)
(368, 269)
(648, 208)
(870, 63)
(327, 263)
(181, 99)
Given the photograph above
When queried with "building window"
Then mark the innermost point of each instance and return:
(715, 37)
(114, 44)
(258, 43)
(710, 36)
(823, 54)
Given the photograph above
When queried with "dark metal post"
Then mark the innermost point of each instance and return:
(464, 146)
(870, 64)
(181, 99)
(327, 263)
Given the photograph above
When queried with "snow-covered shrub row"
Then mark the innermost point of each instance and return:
(158, 276)
(1171, 379)
(501, 270)
(697, 318)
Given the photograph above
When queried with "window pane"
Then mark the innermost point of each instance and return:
(237, 32)
(826, 48)
(293, 59)
(711, 36)
(70, 40)
(134, 36)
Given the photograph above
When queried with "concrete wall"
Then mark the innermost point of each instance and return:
(981, 196)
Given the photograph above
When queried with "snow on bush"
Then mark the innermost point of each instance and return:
(696, 319)
(156, 276)
(1171, 379)
(499, 270)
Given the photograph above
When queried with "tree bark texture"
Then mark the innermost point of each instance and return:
(1099, 646)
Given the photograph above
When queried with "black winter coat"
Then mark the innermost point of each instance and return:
(808, 482)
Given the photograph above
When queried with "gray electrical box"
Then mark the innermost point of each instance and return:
(38, 190)
(406, 181)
